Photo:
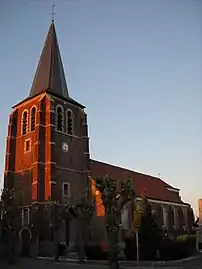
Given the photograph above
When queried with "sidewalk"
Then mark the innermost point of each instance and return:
(127, 263)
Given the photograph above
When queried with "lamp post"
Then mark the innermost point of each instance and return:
(136, 226)
(197, 238)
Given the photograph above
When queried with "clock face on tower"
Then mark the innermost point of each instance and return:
(64, 146)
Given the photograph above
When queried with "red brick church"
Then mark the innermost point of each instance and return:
(47, 150)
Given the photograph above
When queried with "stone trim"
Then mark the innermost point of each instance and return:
(74, 136)
(43, 163)
(11, 137)
(165, 202)
(71, 170)
(47, 125)
(26, 102)
(66, 102)
(173, 190)
(38, 163)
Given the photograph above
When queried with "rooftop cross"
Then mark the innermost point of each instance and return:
(53, 12)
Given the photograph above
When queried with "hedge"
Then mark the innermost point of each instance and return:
(184, 246)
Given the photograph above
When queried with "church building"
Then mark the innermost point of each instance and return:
(47, 150)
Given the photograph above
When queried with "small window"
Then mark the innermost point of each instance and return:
(24, 122)
(66, 189)
(59, 121)
(33, 118)
(69, 122)
(27, 145)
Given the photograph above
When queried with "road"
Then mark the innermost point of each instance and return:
(43, 264)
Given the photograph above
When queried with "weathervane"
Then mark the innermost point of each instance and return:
(53, 12)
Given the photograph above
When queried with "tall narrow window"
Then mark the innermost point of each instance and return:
(59, 121)
(33, 118)
(69, 122)
(25, 216)
(24, 122)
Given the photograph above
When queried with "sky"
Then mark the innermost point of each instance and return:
(137, 67)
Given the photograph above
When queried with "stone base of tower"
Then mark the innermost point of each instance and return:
(68, 236)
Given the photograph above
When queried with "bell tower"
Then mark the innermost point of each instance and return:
(47, 150)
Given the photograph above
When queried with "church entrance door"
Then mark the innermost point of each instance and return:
(25, 242)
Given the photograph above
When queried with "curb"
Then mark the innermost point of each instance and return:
(124, 263)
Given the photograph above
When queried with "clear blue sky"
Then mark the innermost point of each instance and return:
(135, 64)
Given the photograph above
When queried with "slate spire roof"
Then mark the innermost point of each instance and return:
(50, 74)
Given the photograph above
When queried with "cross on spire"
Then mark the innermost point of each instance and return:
(53, 13)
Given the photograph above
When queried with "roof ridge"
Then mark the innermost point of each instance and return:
(133, 171)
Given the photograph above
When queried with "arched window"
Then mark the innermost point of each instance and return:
(69, 122)
(33, 118)
(24, 122)
(60, 118)
(171, 219)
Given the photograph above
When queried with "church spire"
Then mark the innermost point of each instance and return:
(50, 74)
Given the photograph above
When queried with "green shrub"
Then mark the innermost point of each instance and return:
(96, 252)
(184, 246)
(147, 250)
(186, 237)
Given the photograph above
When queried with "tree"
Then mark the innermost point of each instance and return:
(190, 219)
(149, 231)
(57, 215)
(137, 218)
(84, 211)
(81, 211)
(196, 223)
(52, 214)
(114, 197)
(38, 219)
(47, 217)
(10, 220)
